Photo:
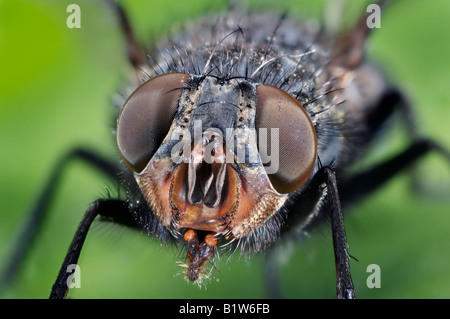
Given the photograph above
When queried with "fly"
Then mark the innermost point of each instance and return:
(240, 134)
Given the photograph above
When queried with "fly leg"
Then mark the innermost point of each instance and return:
(38, 212)
(391, 101)
(395, 97)
(344, 283)
(136, 55)
(37, 215)
(112, 209)
(322, 201)
(356, 187)
(360, 185)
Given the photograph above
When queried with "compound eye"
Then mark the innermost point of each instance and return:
(293, 156)
(146, 118)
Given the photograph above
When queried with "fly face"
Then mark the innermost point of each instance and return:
(192, 143)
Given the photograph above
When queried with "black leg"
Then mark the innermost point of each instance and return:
(38, 212)
(391, 100)
(113, 210)
(350, 45)
(344, 284)
(320, 202)
(135, 53)
(358, 186)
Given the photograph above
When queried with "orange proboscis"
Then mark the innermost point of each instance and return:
(189, 235)
(210, 240)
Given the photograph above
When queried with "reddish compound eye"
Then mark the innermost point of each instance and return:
(146, 118)
(297, 142)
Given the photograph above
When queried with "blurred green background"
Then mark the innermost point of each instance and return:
(56, 88)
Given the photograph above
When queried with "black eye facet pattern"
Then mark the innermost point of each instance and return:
(297, 142)
(146, 118)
